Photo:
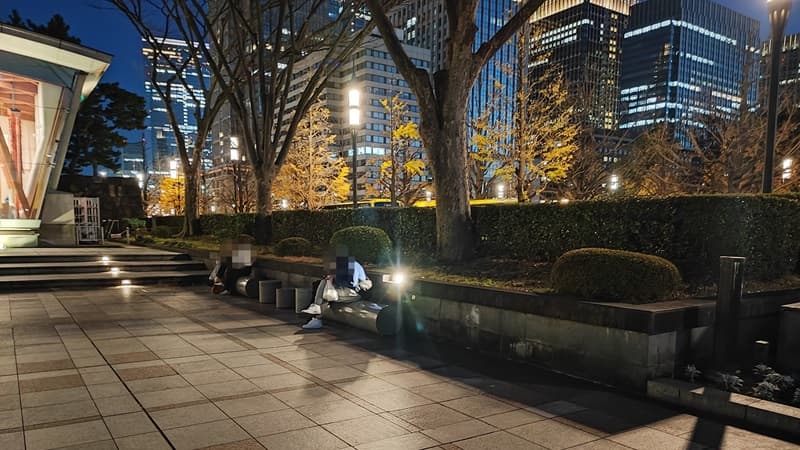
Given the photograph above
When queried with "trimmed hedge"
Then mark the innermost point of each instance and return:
(605, 274)
(691, 231)
(294, 246)
(223, 226)
(367, 244)
(412, 230)
(163, 231)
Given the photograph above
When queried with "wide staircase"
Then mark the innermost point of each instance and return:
(79, 267)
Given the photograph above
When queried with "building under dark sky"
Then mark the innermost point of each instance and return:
(684, 59)
(583, 38)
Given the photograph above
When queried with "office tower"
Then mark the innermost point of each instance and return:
(372, 72)
(789, 74)
(582, 39)
(160, 144)
(424, 24)
(683, 60)
(132, 159)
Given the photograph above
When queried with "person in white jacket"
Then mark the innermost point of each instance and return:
(346, 284)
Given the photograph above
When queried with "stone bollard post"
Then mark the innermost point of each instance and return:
(302, 299)
(266, 290)
(729, 300)
(284, 298)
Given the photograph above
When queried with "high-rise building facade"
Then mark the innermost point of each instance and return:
(424, 24)
(683, 60)
(583, 40)
(789, 73)
(372, 72)
(160, 143)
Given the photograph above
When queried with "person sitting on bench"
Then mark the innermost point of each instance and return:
(234, 261)
(345, 283)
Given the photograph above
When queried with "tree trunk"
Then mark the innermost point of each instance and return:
(191, 223)
(263, 220)
(454, 231)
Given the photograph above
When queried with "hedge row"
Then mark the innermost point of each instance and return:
(412, 230)
(691, 231)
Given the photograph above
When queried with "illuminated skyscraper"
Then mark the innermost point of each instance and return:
(789, 75)
(684, 59)
(160, 144)
(582, 39)
(424, 24)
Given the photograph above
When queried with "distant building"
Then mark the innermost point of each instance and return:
(160, 144)
(132, 159)
(684, 59)
(789, 75)
(583, 39)
(374, 74)
(424, 24)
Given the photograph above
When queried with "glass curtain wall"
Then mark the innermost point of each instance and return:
(30, 121)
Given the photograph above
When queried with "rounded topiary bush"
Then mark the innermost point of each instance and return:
(294, 246)
(366, 244)
(606, 274)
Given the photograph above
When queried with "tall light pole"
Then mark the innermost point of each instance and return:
(234, 145)
(778, 15)
(354, 120)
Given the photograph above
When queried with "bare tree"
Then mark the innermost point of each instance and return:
(657, 165)
(275, 57)
(157, 21)
(443, 98)
(234, 189)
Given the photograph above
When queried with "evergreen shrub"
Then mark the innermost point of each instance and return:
(366, 244)
(606, 274)
(294, 246)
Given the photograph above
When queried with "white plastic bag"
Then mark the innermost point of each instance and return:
(365, 285)
(329, 293)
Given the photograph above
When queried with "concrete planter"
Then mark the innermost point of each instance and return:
(727, 404)
(19, 233)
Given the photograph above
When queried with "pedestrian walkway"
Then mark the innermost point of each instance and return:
(160, 367)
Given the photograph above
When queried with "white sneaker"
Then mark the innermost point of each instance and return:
(313, 324)
(312, 309)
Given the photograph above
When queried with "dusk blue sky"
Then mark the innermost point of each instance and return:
(110, 32)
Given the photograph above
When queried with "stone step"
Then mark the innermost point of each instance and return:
(96, 266)
(50, 280)
(12, 258)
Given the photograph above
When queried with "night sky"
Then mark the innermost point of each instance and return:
(110, 32)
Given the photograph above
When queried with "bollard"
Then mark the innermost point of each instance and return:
(266, 290)
(284, 298)
(729, 299)
(302, 299)
(247, 287)
(761, 352)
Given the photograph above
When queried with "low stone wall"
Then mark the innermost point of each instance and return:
(614, 343)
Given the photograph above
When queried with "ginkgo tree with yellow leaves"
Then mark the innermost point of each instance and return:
(402, 173)
(544, 138)
(537, 150)
(490, 139)
(313, 176)
(170, 195)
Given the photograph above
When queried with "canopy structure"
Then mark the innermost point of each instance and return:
(42, 81)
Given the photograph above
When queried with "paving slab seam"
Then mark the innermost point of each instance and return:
(127, 388)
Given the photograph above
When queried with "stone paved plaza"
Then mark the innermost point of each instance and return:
(160, 367)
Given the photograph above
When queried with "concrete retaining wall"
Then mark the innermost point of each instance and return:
(614, 343)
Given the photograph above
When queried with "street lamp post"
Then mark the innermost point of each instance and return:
(778, 15)
(354, 120)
